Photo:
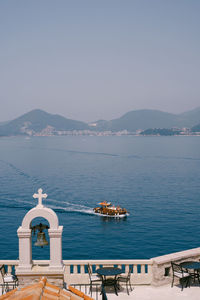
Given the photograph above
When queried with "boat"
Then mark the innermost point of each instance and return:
(107, 209)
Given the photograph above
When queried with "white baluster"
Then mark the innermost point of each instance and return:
(126, 268)
(135, 271)
(9, 269)
(142, 269)
(82, 270)
(149, 269)
(75, 269)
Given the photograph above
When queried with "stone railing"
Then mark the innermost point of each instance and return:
(155, 271)
(10, 269)
(76, 270)
(161, 268)
(12, 264)
(9, 264)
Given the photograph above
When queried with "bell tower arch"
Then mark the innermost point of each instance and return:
(25, 236)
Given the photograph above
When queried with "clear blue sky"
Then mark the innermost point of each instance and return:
(89, 60)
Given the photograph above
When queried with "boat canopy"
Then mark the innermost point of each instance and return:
(104, 203)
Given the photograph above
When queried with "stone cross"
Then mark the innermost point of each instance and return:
(39, 196)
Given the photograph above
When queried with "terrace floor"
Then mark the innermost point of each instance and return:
(153, 293)
(157, 293)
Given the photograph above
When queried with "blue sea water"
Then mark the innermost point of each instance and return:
(156, 178)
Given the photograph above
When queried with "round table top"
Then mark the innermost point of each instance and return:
(109, 271)
(195, 265)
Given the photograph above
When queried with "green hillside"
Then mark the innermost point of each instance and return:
(141, 119)
(146, 118)
(36, 121)
(196, 128)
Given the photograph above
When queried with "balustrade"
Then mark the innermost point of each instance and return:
(76, 270)
(155, 271)
(10, 265)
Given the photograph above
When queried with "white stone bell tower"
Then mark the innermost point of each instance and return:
(26, 265)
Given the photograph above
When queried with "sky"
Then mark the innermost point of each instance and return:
(89, 60)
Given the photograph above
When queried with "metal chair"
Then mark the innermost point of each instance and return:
(9, 280)
(126, 279)
(94, 278)
(180, 273)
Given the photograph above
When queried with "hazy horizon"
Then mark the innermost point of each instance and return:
(89, 60)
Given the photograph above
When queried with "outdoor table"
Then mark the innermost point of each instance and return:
(192, 265)
(109, 271)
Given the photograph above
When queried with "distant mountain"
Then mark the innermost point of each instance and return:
(196, 128)
(3, 123)
(189, 118)
(37, 121)
(142, 119)
(146, 118)
(98, 125)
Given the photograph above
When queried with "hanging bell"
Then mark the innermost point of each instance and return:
(41, 240)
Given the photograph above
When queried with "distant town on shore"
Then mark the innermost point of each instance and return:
(144, 122)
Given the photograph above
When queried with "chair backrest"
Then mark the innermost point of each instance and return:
(2, 272)
(176, 268)
(129, 272)
(89, 270)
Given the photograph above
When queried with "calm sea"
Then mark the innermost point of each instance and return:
(156, 178)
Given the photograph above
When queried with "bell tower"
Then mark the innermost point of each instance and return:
(24, 232)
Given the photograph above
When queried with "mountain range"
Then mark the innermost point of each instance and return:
(40, 122)
(146, 118)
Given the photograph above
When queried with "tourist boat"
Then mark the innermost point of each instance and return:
(107, 209)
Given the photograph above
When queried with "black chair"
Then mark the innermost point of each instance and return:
(94, 278)
(180, 273)
(9, 281)
(195, 274)
(125, 279)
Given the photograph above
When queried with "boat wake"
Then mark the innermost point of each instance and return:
(70, 207)
(82, 209)
(63, 207)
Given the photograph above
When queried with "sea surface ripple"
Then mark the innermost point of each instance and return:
(156, 179)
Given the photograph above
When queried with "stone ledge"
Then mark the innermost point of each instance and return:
(176, 256)
(162, 263)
